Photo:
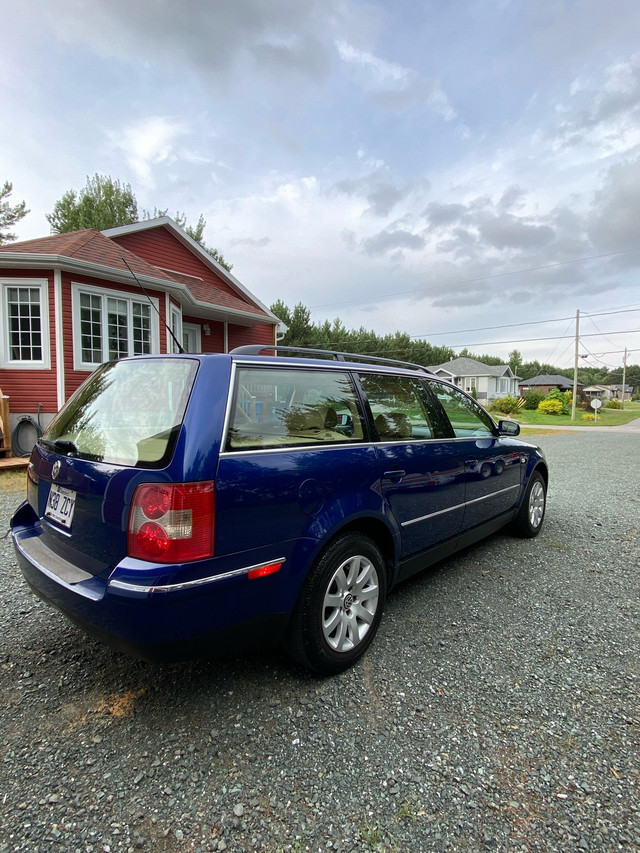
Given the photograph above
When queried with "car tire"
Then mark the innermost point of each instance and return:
(340, 606)
(528, 521)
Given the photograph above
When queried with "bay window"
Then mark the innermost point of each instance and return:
(110, 325)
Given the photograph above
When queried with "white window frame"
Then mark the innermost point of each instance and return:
(193, 331)
(77, 288)
(175, 324)
(42, 285)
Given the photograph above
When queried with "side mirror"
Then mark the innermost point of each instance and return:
(509, 428)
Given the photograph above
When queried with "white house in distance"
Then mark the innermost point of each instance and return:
(487, 382)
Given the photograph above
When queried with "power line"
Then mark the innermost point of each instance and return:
(529, 323)
(478, 279)
(552, 338)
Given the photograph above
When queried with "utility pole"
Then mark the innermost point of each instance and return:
(624, 375)
(575, 367)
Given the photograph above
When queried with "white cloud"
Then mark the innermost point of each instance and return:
(148, 143)
(393, 85)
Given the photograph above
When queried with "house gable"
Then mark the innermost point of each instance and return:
(165, 245)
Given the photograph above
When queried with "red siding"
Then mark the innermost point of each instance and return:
(213, 342)
(242, 335)
(160, 248)
(27, 388)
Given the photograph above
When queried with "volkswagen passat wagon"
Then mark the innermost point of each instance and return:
(182, 504)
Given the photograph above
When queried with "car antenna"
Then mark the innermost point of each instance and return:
(181, 349)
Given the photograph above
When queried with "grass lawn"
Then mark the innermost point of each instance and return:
(606, 417)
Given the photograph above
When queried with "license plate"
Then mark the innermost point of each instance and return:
(60, 505)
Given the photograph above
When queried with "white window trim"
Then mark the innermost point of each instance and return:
(78, 288)
(7, 363)
(174, 312)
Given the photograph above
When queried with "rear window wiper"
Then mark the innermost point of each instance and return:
(60, 445)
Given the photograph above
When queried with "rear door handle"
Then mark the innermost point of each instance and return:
(397, 474)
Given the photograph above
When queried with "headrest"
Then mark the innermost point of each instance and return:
(302, 419)
(393, 425)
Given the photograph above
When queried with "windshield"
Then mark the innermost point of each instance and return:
(127, 412)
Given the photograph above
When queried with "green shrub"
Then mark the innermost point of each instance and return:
(587, 417)
(532, 400)
(614, 404)
(550, 407)
(506, 405)
(565, 399)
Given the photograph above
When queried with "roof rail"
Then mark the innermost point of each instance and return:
(259, 349)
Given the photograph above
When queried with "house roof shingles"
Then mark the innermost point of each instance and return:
(463, 366)
(549, 379)
(93, 247)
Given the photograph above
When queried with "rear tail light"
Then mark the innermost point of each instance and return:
(172, 522)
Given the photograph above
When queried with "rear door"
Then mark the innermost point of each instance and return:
(421, 476)
(296, 461)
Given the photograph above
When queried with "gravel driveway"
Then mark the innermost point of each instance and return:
(497, 710)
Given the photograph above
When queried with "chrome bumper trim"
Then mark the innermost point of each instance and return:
(175, 587)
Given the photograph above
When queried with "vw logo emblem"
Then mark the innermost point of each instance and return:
(56, 469)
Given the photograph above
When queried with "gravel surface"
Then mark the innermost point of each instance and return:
(497, 710)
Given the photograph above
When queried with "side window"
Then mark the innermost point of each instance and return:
(398, 405)
(466, 417)
(274, 408)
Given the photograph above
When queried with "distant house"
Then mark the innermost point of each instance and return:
(487, 382)
(547, 382)
(70, 302)
(609, 392)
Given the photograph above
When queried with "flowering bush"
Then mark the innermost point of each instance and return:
(565, 399)
(550, 407)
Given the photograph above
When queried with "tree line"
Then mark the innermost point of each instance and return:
(334, 335)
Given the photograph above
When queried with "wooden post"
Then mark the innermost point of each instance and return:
(5, 442)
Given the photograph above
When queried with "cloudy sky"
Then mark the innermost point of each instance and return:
(467, 172)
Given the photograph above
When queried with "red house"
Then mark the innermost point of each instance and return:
(70, 302)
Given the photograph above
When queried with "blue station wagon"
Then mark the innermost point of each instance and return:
(180, 505)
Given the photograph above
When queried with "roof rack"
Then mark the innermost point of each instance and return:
(259, 349)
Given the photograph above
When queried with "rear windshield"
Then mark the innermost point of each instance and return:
(128, 412)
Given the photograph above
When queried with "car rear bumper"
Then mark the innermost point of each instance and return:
(137, 611)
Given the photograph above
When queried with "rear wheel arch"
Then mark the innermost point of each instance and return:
(340, 605)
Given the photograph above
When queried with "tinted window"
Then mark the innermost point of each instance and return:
(398, 405)
(465, 415)
(128, 412)
(284, 408)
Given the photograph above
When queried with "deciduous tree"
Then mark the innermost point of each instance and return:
(102, 203)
